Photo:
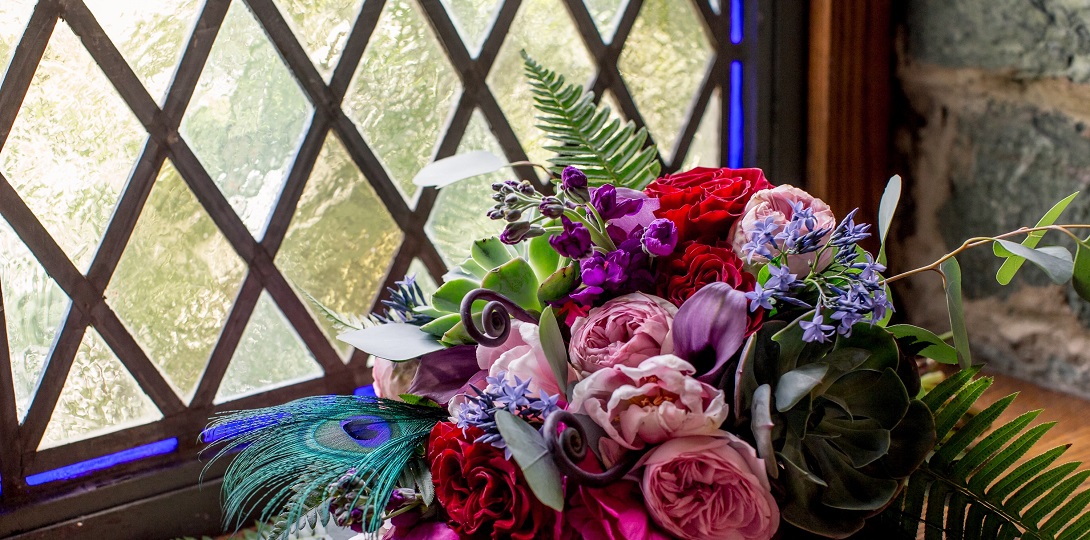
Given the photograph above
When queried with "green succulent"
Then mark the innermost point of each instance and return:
(836, 423)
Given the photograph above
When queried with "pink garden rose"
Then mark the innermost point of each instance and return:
(709, 488)
(521, 356)
(776, 203)
(393, 378)
(613, 512)
(651, 403)
(624, 331)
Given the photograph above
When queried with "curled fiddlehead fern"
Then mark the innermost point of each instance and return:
(495, 318)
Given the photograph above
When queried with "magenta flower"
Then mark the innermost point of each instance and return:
(574, 242)
(660, 237)
(710, 327)
(610, 206)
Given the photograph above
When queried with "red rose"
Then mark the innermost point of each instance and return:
(704, 202)
(484, 494)
(694, 265)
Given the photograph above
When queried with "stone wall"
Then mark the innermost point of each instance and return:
(992, 127)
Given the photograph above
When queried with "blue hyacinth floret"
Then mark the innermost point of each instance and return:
(480, 410)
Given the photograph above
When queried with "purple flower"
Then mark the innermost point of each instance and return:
(572, 178)
(760, 297)
(660, 238)
(869, 270)
(609, 206)
(709, 328)
(600, 270)
(814, 330)
(574, 242)
(781, 278)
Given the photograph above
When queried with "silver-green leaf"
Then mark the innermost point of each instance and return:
(1055, 261)
(952, 272)
(446, 171)
(886, 208)
(552, 344)
(532, 455)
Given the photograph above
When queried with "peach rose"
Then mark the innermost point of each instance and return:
(624, 331)
(521, 355)
(776, 203)
(709, 488)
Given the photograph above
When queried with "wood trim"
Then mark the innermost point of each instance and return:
(850, 77)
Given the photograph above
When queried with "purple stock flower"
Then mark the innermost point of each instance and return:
(609, 206)
(709, 328)
(572, 178)
(600, 270)
(574, 242)
(660, 237)
(814, 330)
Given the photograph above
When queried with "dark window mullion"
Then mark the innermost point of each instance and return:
(358, 39)
(694, 115)
(233, 327)
(46, 395)
(10, 455)
(193, 60)
(28, 54)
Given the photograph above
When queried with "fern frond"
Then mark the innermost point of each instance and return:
(966, 490)
(603, 149)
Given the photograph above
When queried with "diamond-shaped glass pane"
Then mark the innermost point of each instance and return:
(72, 147)
(99, 396)
(269, 355)
(704, 151)
(460, 210)
(322, 28)
(34, 307)
(473, 18)
(176, 281)
(610, 100)
(149, 33)
(13, 18)
(341, 240)
(544, 30)
(663, 63)
(402, 92)
(246, 118)
(606, 13)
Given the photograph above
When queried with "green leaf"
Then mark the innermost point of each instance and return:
(448, 297)
(559, 284)
(442, 325)
(532, 455)
(1056, 261)
(395, 342)
(446, 171)
(543, 258)
(952, 272)
(515, 280)
(490, 252)
(1081, 272)
(886, 208)
(1013, 263)
(937, 349)
(552, 344)
(797, 383)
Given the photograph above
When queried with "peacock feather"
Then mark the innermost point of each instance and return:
(298, 450)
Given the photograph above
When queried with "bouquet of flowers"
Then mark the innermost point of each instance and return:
(700, 355)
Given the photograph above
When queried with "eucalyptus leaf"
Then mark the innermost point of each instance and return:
(448, 297)
(886, 208)
(1014, 262)
(490, 252)
(952, 272)
(396, 342)
(552, 344)
(797, 383)
(515, 280)
(1055, 261)
(1081, 277)
(532, 455)
(446, 171)
(937, 349)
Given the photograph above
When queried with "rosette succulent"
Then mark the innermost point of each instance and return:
(837, 422)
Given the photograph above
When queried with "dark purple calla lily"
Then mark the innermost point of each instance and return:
(709, 329)
(447, 373)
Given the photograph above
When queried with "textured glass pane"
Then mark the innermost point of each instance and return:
(72, 147)
(663, 63)
(704, 152)
(614, 108)
(605, 14)
(176, 281)
(402, 92)
(149, 33)
(423, 277)
(99, 396)
(269, 354)
(341, 240)
(545, 31)
(473, 19)
(13, 18)
(34, 307)
(323, 27)
(459, 213)
(246, 118)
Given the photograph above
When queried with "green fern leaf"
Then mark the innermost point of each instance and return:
(606, 151)
(968, 491)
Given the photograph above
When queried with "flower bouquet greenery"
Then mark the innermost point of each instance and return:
(700, 355)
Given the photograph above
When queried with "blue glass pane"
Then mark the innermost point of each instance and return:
(734, 161)
(736, 21)
(231, 429)
(83, 468)
(368, 390)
